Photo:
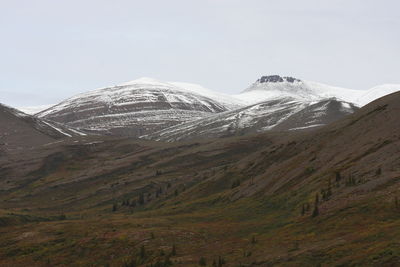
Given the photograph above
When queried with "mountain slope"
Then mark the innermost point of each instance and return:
(280, 114)
(145, 106)
(321, 198)
(133, 108)
(20, 130)
(275, 86)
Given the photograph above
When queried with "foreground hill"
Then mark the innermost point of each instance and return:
(327, 197)
(20, 130)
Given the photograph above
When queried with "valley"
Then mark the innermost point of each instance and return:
(326, 196)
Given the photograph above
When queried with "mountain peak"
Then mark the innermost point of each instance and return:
(277, 79)
(143, 80)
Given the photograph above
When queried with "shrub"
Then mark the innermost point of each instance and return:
(114, 207)
(235, 183)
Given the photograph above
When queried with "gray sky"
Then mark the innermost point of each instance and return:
(53, 49)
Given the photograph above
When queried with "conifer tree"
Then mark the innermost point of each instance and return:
(202, 261)
(315, 212)
(173, 251)
(316, 199)
(142, 252)
(141, 199)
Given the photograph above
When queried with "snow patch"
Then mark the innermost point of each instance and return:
(57, 129)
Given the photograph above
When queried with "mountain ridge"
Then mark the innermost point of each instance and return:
(144, 106)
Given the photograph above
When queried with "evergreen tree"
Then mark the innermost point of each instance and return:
(316, 199)
(315, 212)
(130, 263)
(202, 261)
(338, 177)
(141, 199)
(142, 252)
(167, 261)
(173, 251)
(221, 261)
(114, 207)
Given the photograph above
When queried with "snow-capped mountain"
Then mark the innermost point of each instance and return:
(138, 107)
(286, 113)
(275, 87)
(176, 111)
(277, 103)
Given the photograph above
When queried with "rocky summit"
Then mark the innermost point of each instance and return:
(277, 79)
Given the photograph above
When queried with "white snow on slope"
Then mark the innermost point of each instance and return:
(270, 113)
(301, 90)
(57, 129)
(228, 100)
(312, 91)
(138, 91)
(377, 92)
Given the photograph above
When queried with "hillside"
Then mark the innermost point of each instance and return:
(21, 131)
(326, 197)
(283, 114)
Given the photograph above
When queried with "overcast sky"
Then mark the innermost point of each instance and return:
(50, 50)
